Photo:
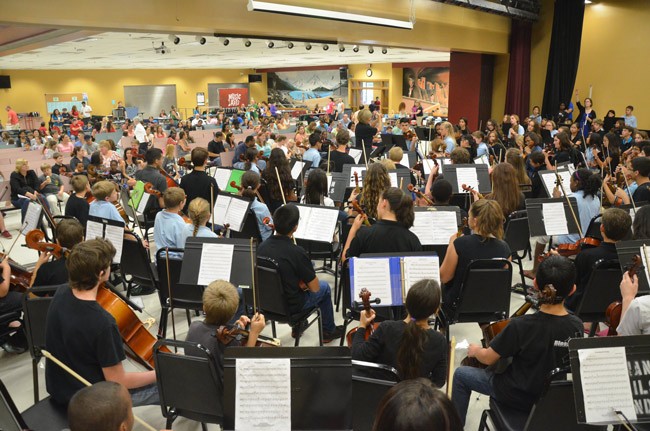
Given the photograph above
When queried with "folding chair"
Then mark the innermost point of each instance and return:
(135, 263)
(601, 290)
(371, 391)
(517, 235)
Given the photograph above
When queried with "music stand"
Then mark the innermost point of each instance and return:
(321, 385)
(399, 141)
(482, 173)
(337, 186)
(626, 250)
(536, 218)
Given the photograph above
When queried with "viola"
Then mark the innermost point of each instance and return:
(34, 240)
(267, 222)
(148, 188)
(226, 334)
(471, 190)
(575, 248)
(615, 309)
(364, 294)
(21, 278)
(419, 194)
(359, 210)
(462, 227)
(234, 185)
(356, 182)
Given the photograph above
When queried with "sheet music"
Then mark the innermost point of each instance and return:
(434, 227)
(297, 169)
(143, 202)
(216, 263)
(483, 160)
(32, 217)
(554, 218)
(114, 234)
(549, 180)
(221, 209)
(263, 394)
(359, 170)
(316, 224)
(645, 258)
(236, 213)
(374, 275)
(468, 177)
(428, 166)
(329, 183)
(222, 176)
(418, 268)
(445, 160)
(393, 179)
(405, 161)
(605, 384)
(356, 154)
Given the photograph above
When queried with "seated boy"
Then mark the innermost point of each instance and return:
(69, 232)
(77, 205)
(170, 230)
(220, 303)
(52, 189)
(103, 206)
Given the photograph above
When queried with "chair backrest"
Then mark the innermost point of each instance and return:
(601, 290)
(593, 230)
(183, 296)
(270, 291)
(250, 229)
(135, 260)
(36, 304)
(10, 418)
(370, 392)
(190, 385)
(485, 292)
(517, 233)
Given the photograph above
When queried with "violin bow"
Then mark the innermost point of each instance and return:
(20, 231)
(566, 197)
(253, 278)
(627, 186)
(212, 204)
(169, 291)
(284, 199)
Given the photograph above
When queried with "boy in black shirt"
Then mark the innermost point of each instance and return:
(296, 271)
(77, 205)
(69, 232)
(339, 156)
(215, 147)
(198, 184)
(530, 341)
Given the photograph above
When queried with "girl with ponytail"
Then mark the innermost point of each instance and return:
(199, 213)
(409, 345)
(250, 184)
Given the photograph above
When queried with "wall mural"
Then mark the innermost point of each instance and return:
(307, 88)
(429, 86)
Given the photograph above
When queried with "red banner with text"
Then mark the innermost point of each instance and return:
(233, 97)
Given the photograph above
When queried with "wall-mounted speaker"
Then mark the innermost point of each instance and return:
(254, 78)
(343, 71)
(5, 81)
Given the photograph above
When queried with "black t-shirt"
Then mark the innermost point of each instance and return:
(215, 147)
(152, 175)
(530, 341)
(364, 134)
(642, 193)
(383, 237)
(537, 185)
(197, 185)
(384, 343)
(52, 273)
(294, 266)
(205, 334)
(78, 208)
(339, 159)
(469, 248)
(82, 335)
(584, 266)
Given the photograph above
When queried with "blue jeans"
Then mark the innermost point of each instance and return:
(466, 380)
(322, 299)
(145, 396)
(23, 204)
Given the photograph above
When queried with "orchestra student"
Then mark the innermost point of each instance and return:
(375, 182)
(69, 232)
(410, 345)
(250, 183)
(199, 213)
(102, 406)
(170, 230)
(77, 205)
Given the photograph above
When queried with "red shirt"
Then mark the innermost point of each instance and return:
(12, 117)
(76, 127)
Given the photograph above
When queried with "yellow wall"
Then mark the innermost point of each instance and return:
(613, 58)
(103, 86)
(383, 71)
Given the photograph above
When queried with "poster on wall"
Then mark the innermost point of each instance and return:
(429, 86)
(306, 88)
(233, 97)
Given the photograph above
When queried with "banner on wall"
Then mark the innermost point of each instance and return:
(233, 97)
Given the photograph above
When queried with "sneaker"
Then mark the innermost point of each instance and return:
(138, 290)
(328, 337)
(11, 348)
(6, 234)
(298, 329)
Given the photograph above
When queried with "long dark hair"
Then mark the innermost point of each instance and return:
(641, 225)
(587, 181)
(316, 187)
(249, 156)
(249, 182)
(401, 204)
(277, 159)
(614, 144)
(422, 301)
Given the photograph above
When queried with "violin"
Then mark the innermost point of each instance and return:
(419, 194)
(185, 163)
(471, 190)
(21, 278)
(615, 309)
(267, 222)
(63, 170)
(364, 294)
(34, 240)
(359, 210)
(575, 248)
(234, 185)
(226, 334)
(356, 182)
(148, 188)
(462, 227)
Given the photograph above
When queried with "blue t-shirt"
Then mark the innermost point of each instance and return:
(450, 144)
(203, 232)
(104, 209)
(262, 211)
(169, 230)
(312, 155)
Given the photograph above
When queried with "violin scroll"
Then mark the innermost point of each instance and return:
(34, 240)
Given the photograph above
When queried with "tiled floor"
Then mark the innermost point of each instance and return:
(16, 370)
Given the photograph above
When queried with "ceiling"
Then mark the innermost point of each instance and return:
(136, 51)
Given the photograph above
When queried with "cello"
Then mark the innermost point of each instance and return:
(615, 309)
(364, 294)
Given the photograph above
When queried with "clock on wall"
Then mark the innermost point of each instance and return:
(368, 72)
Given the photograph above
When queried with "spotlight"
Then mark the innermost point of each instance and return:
(384, 51)
(307, 46)
(270, 44)
(290, 45)
(355, 48)
(326, 47)
(371, 50)
(174, 39)
(341, 47)
(224, 40)
(247, 43)
(200, 39)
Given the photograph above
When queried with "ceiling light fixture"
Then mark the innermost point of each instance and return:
(384, 51)
(247, 43)
(290, 45)
(174, 39)
(308, 12)
(270, 43)
(355, 48)
(588, 2)
(371, 50)
(307, 46)
(224, 40)
(341, 47)
(369, 71)
(326, 47)
(201, 40)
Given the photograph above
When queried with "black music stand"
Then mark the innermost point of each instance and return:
(637, 351)
(626, 250)
(482, 173)
(321, 385)
(536, 218)
(400, 141)
(338, 185)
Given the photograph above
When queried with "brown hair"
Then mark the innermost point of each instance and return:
(505, 188)
(87, 260)
(489, 218)
(79, 182)
(396, 154)
(249, 182)
(104, 406)
(616, 223)
(199, 155)
(199, 212)
(401, 204)
(514, 158)
(220, 302)
(459, 156)
(69, 232)
(173, 196)
(103, 189)
(375, 183)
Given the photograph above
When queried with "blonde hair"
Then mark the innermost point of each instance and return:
(173, 196)
(105, 144)
(170, 151)
(514, 158)
(103, 189)
(199, 213)
(437, 145)
(396, 154)
(45, 166)
(20, 163)
(364, 116)
(220, 302)
(448, 128)
(388, 164)
(79, 182)
(489, 218)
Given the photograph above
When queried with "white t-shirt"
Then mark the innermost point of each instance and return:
(86, 111)
(140, 133)
(636, 320)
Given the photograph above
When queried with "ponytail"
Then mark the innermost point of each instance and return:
(401, 204)
(250, 181)
(199, 212)
(587, 182)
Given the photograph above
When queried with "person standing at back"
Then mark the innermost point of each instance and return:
(198, 183)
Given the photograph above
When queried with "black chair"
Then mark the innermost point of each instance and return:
(517, 235)
(329, 252)
(601, 290)
(554, 410)
(36, 303)
(484, 294)
(250, 228)
(135, 263)
(43, 415)
(189, 386)
(173, 294)
(272, 303)
(371, 391)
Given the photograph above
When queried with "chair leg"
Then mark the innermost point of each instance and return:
(35, 362)
(483, 424)
(273, 328)
(320, 329)
(162, 326)
(189, 318)
(204, 427)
